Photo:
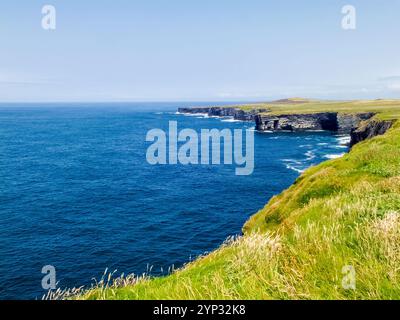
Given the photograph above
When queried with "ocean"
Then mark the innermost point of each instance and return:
(77, 193)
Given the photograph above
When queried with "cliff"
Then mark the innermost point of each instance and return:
(235, 113)
(331, 121)
(360, 126)
(370, 129)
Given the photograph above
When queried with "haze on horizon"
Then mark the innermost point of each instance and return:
(176, 50)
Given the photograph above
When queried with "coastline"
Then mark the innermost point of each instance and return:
(343, 138)
(306, 224)
(359, 125)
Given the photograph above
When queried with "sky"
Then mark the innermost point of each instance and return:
(188, 50)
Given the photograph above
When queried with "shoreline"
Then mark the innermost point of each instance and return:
(343, 139)
(306, 224)
(359, 125)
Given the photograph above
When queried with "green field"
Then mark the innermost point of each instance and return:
(388, 109)
(343, 212)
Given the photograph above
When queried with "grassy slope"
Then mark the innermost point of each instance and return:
(341, 212)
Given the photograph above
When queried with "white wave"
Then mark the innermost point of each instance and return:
(269, 132)
(305, 146)
(231, 120)
(334, 156)
(296, 165)
(323, 144)
(288, 166)
(343, 139)
(197, 115)
(341, 146)
(299, 162)
(203, 117)
(310, 155)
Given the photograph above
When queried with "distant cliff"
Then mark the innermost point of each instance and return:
(360, 126)
(235, 113)
(331, 121)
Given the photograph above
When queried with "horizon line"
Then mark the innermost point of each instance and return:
(187, 101)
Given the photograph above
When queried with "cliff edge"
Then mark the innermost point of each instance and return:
(343, 214)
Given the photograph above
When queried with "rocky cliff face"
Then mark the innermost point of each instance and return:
(235, 113)
(348, 122)
(369, 129)
(296, 122)
(331, 121)
(194, 110)
(360, 126)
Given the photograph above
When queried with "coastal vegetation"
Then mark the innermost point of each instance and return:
(386, 109)
(341, 214)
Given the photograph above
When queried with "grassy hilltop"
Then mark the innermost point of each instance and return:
(343, 212)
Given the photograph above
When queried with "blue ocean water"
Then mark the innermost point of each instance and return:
(76, 191)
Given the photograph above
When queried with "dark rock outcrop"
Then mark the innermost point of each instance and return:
(360, 126)
(331, 121)
(297, 122)
(349, 122)
(370, 129)
(194, 110)
(235, 113)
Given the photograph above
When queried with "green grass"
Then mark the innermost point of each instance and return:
(343, 212)
(388, 109)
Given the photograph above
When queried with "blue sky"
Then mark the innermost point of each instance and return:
(210, 50)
